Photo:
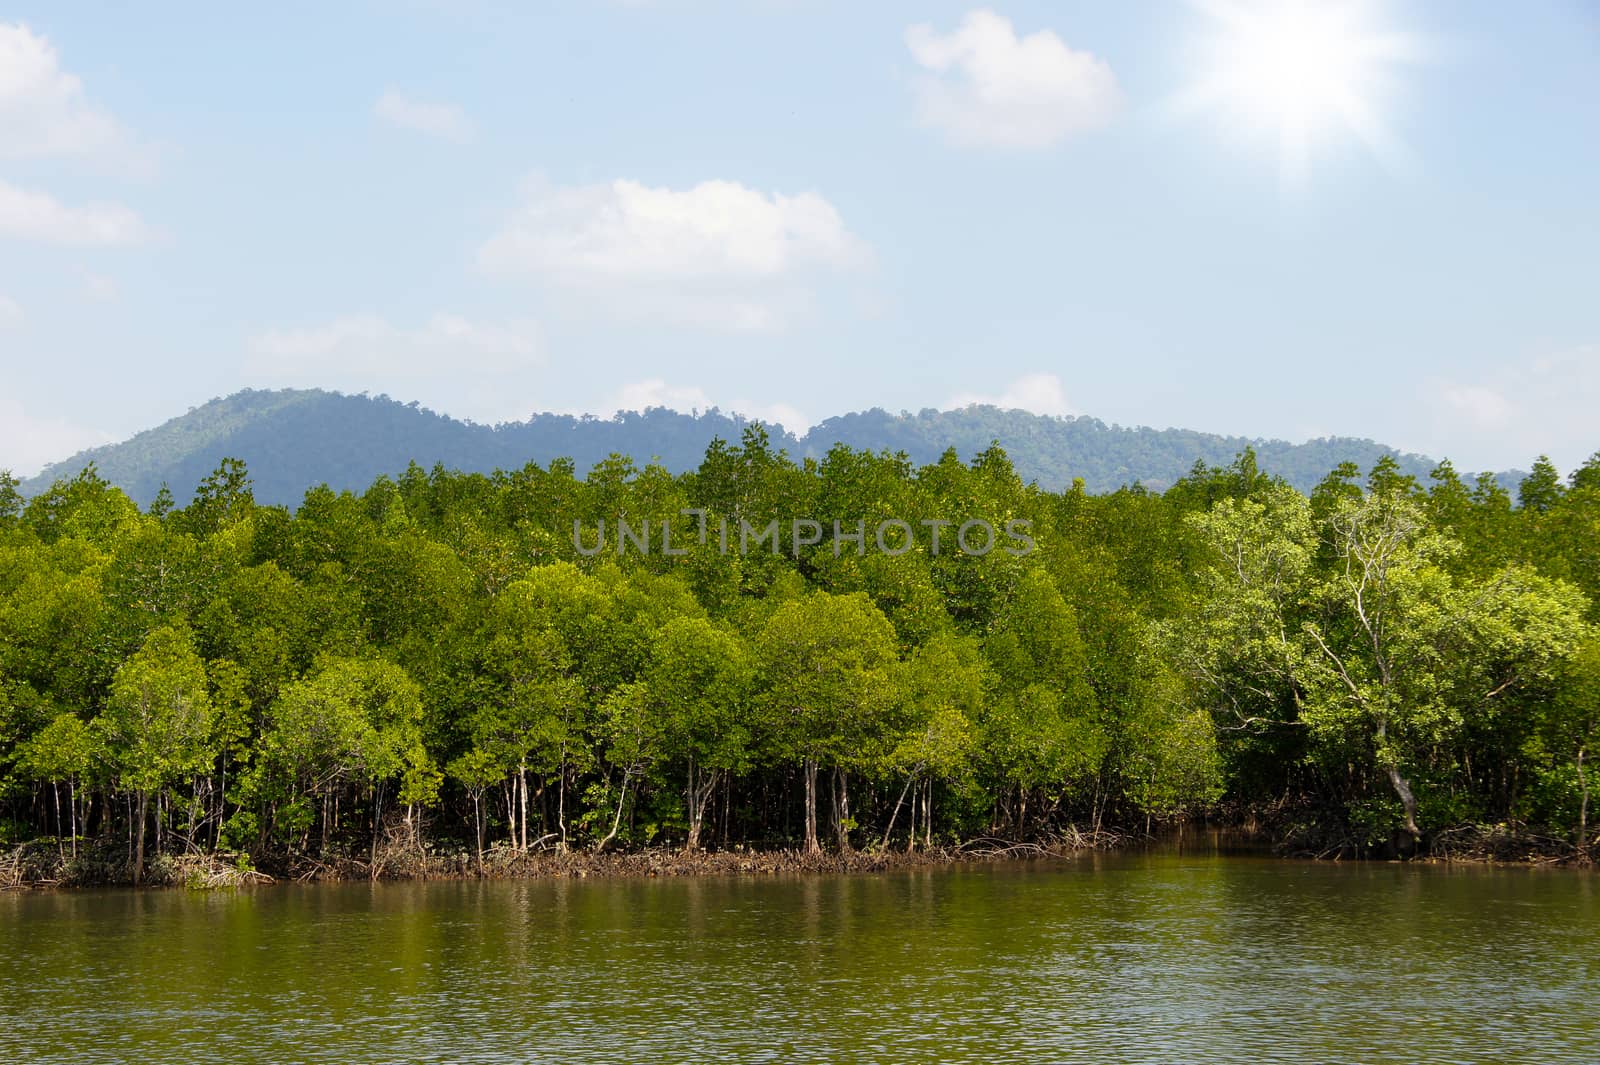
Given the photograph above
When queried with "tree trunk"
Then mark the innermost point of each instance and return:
(1583, 808)
(811, 845)
(701, 788)
(692, 843)
(616, 822)
(927, 814)
(477, 821)
(194, 815)
(1407, 800)
(72, 801)
(138, 854)
(1401, 786)
(561, 805)
(916, 801)
(841, 808)
(522, 798)
(222, 806)
(896, 813)
(377, 826)
(55, 787)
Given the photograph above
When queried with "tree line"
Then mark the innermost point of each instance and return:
(435, 662)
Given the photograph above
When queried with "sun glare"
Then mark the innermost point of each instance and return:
(1302, 72)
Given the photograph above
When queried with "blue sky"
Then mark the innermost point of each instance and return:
(799, 208)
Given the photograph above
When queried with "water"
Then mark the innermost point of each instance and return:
(1132, 958)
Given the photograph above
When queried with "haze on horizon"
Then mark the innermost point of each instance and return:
(1268, 219)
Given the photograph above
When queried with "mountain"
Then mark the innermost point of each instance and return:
(295, 439)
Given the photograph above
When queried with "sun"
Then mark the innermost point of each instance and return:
(1306, 73)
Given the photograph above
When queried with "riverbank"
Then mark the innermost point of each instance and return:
(44, 863)
(1299, 832)
(40, 865)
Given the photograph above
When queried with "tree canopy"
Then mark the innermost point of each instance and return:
(437, 660)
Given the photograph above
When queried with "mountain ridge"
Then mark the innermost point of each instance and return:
(296, 439)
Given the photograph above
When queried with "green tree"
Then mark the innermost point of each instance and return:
(1541, 489)
(157, 722)
(10, 499)
(1242, 644)
(700, 679)
(1574, 722)
(1403, 653)
(828, 668)
(86, 507)
(477, 769)
(62, 751)
(945, 682)
(222, 499)
(1044, 730)
(541, 633)
(351, 721)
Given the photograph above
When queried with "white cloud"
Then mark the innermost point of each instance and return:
(445, 121)
(627, 230)
(10, 313)
(776, 414)
(45, 114)
(368, 341)
(1509, 416)
(28, 444)
(1039, 393)
(44, 111)
(41, 217)
(1480, 406)
(988, 87)
(718, 254)
(472, 369)
(656, 392)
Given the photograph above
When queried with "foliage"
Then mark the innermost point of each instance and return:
(1392, 655)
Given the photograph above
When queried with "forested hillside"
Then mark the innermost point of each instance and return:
(295, 440)
(440, 665)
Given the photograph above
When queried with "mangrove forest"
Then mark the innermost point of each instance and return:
(452, 671)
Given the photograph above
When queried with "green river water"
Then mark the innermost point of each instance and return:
(1160, 957)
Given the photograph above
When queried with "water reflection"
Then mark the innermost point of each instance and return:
(1186, 955)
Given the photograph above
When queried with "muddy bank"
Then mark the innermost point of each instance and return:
(40, 864)
(1294, 831)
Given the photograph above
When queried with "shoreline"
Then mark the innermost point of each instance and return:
(211, 872)
(36, 865)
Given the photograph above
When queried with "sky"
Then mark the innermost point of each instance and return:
(1268, 219)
